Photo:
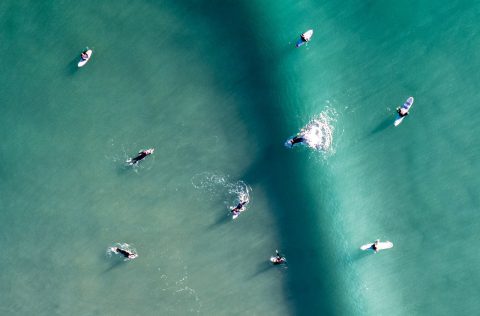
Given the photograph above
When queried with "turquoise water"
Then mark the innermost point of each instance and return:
(216, 88)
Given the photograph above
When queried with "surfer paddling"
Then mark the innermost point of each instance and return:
(140, 156)
(238, 209)
(278, 259)
(124, 252)
(296, 140)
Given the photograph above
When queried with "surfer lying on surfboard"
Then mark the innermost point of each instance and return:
(126, 253)
(239, 208)
(296, 140)
(374, 246)
(141, 155)
(402, 112)
(278, 259)
(377, 245)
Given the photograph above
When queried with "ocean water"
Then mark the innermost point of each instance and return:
(217, 87)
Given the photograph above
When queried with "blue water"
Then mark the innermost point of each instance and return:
(217, 88)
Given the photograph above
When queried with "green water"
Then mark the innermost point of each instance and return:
(216, 87)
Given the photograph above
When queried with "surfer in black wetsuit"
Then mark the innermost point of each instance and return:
(375, 245)
(278, 259)
(239, 207)
(402, 114)
(126, 253)
(297, 139)
(141, 155)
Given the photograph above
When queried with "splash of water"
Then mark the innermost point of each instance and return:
(318, 133)
(217, 184)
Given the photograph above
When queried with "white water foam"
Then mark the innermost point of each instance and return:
(318, 133)
(216, 184)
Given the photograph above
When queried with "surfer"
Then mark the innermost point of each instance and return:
(402, 112)
(278, 259)
(141, 155)
(304, 38)
(374, 246)
(126, 253)
(239, 208)
(296, 140)
(84, 55)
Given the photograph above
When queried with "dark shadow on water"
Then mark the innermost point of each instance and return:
(311, 286)
(263, 267)
(386, 123)
(117, 263)
(221, 220)
(360, 254)
(72, 67)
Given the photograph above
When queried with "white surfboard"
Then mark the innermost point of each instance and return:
(407, 105)
(380, 246)
(307, 36)
(82, 62)
(237, 214)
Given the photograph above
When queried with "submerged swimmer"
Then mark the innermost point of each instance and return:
(278, 259)
(126, 253)
(141, 155)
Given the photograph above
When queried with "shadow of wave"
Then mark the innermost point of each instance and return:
(311, 286)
